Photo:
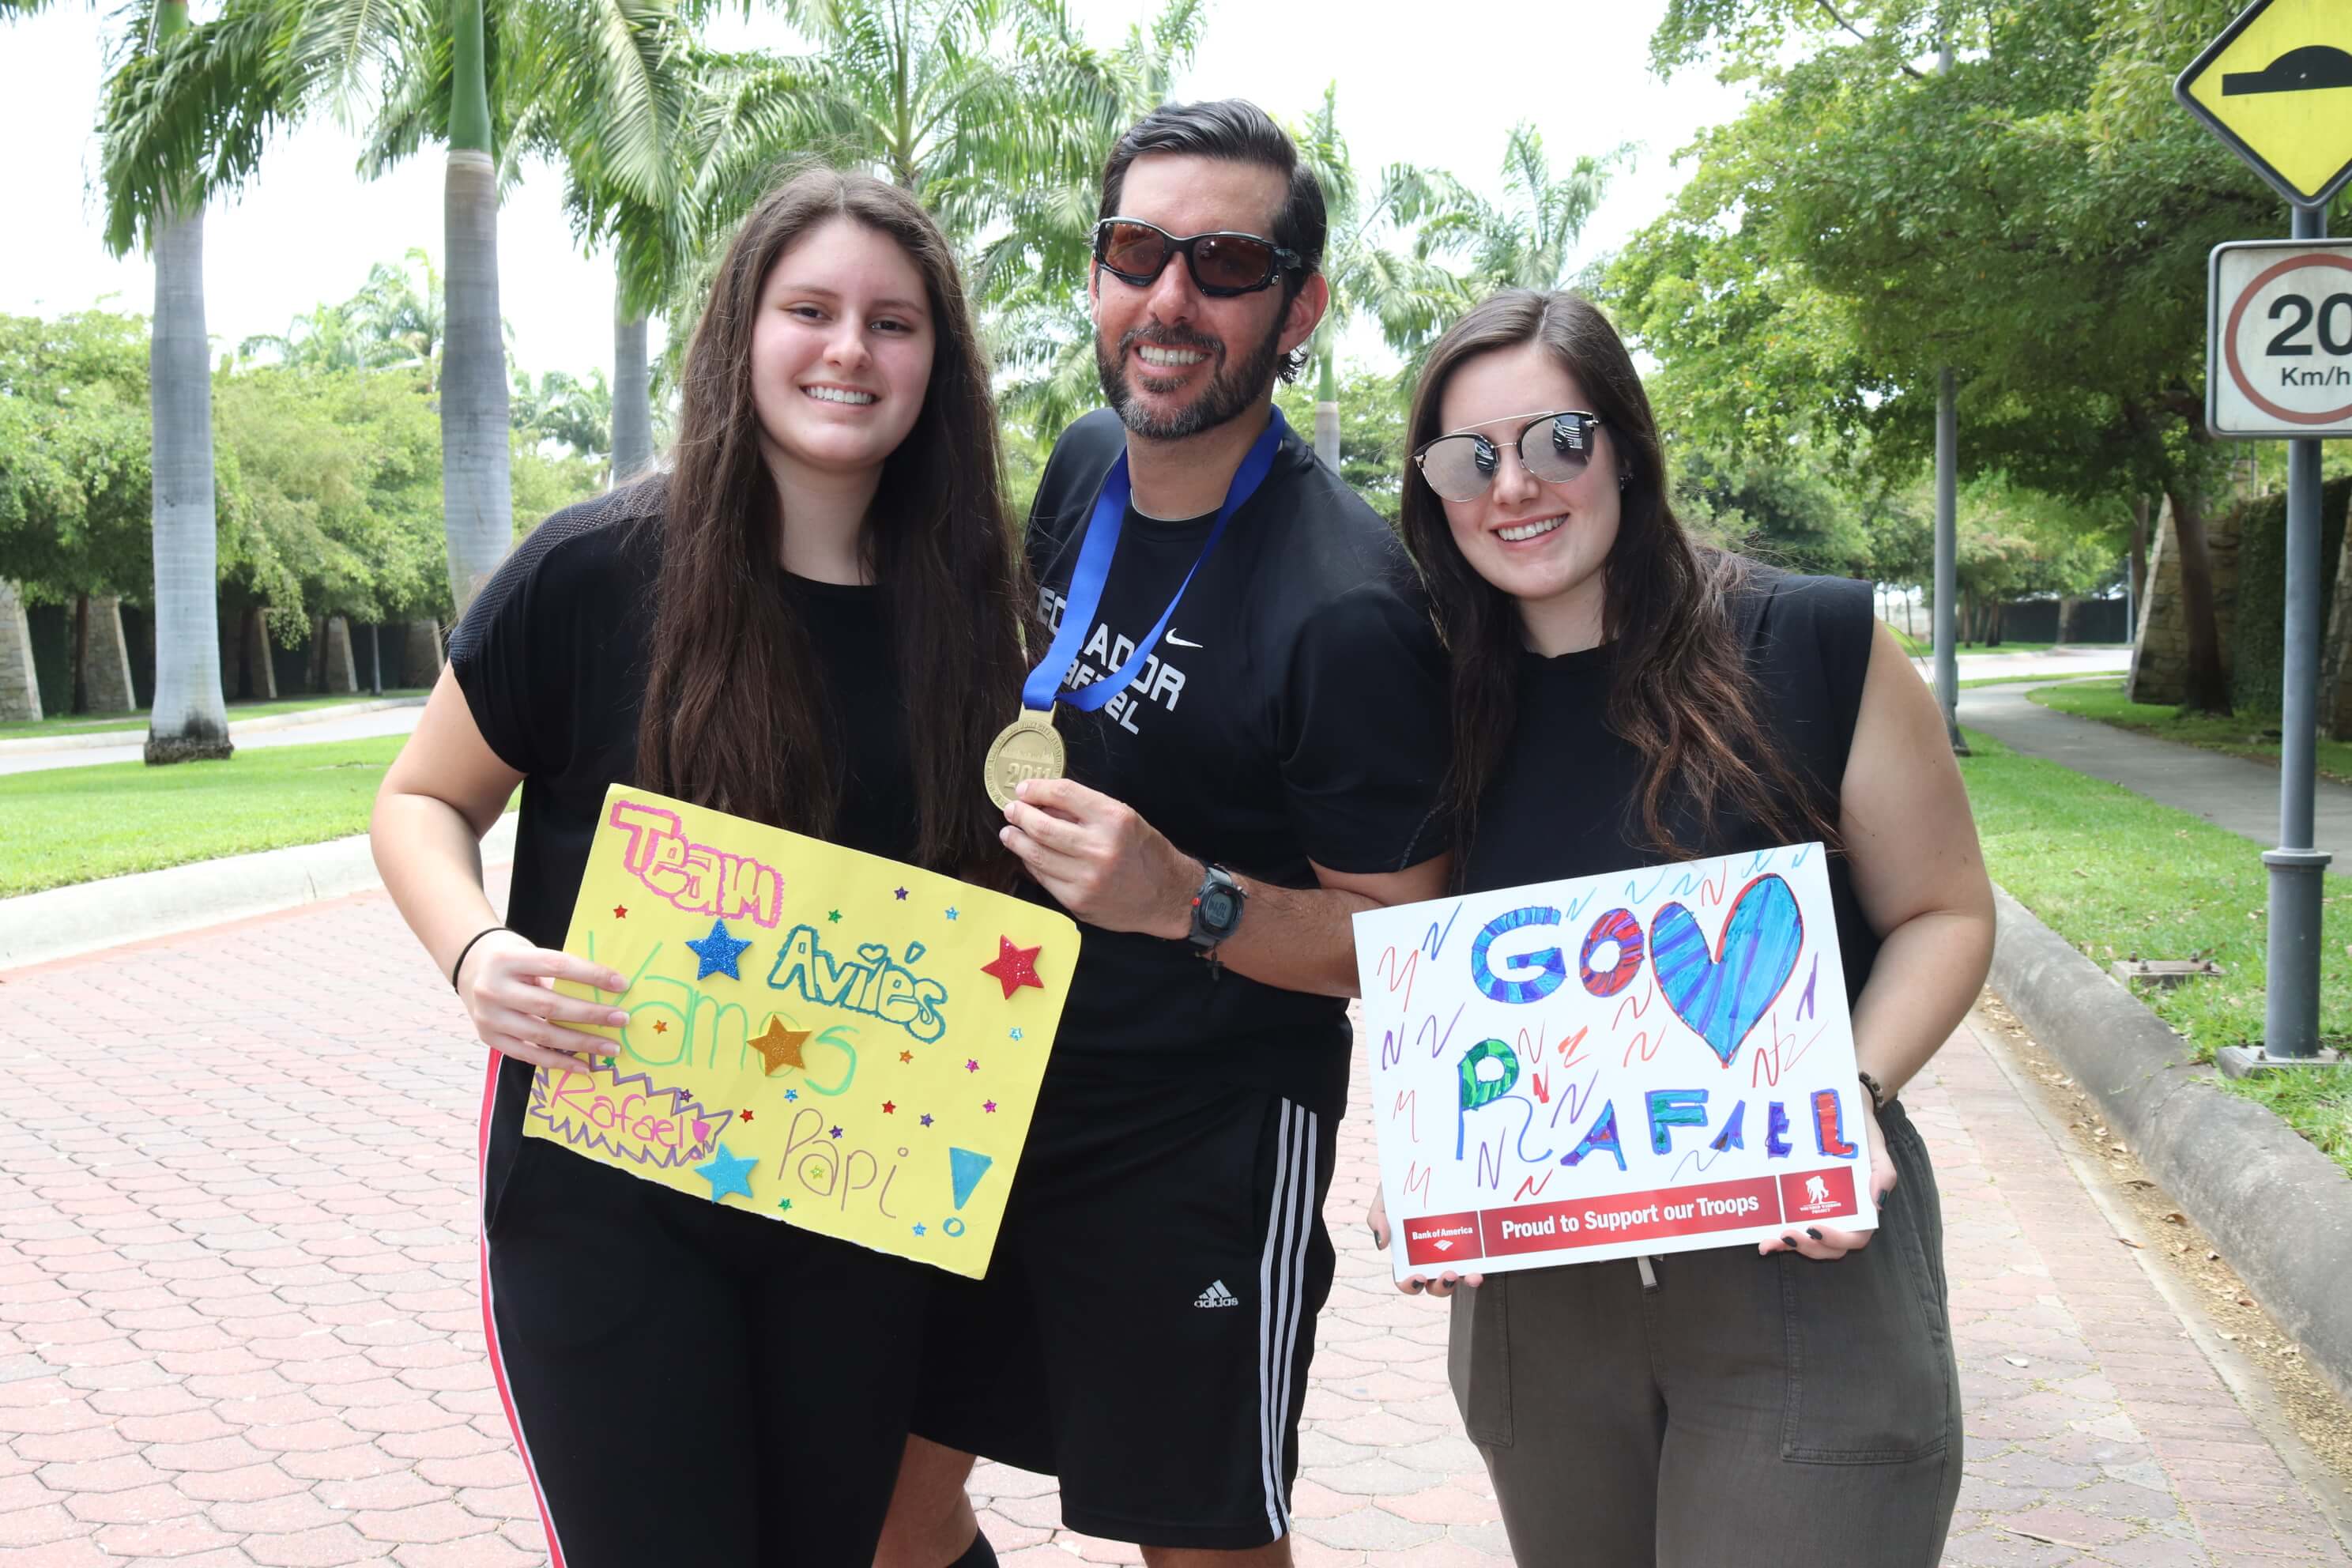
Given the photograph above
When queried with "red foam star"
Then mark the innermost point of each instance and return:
(906, 1056)
(747, 1116)
(887, 1108)
(620, 911)
(1014, 966)
(660, 1028)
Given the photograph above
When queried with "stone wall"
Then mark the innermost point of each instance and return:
(420, 660)
(107, 685)
(20, 685)
(2160, 671)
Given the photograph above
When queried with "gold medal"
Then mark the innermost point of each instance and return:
(1028, 748)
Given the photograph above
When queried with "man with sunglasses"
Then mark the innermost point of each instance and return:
(1251, 697)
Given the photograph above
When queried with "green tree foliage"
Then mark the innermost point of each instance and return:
(74, 454)
(573, 412)
(1371, 432)
(2037, 217)
(337, 509)
(395, 321)
(1526, 240)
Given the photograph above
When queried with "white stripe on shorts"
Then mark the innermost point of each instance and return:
(1281, 1289)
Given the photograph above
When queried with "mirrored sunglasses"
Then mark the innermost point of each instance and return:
(1462, 466)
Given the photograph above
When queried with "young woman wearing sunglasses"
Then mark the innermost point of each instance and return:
(810, 620)
(1623, 697)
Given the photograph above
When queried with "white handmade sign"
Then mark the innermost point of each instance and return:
(1644, 1062)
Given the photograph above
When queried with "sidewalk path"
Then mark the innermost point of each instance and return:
(238, 1319)
(2229, 792)
(360, 726)
(2054, 664)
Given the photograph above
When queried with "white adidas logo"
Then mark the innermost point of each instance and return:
(1216, 1295)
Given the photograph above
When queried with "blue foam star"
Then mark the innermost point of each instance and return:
(1016, 1034)
(927, 1118)
(919, 1230)
(951, 914)
(717, 952)
(901, 893)
(726, 1173)
(792, 1094)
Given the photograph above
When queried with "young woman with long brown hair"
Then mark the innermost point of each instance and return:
(1623, 697)
(812, 620)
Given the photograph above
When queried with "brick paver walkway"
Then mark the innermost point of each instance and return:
(238, 1319)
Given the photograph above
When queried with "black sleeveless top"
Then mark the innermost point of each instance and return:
(1565, 801)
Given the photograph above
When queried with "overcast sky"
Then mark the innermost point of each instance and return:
(1435, 84)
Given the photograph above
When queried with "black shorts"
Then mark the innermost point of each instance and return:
(684, 1378)
(1148, 1315)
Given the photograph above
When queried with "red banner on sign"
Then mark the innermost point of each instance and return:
(1461, 1239)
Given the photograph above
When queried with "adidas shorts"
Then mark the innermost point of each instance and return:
(1146, 1325)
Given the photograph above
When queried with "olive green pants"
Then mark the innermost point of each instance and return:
(1748, 1409)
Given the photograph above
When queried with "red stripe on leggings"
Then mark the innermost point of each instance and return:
(489, 1317)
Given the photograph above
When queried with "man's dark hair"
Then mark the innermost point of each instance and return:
(1240, 131)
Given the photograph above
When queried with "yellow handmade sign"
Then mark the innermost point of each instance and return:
(824, 1037)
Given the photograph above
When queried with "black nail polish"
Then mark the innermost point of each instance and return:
(1790, 1239)
(1812, 1232)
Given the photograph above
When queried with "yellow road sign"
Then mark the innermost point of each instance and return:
(2277, 87)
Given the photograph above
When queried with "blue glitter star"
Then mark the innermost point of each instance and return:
(726, 1173)
(837, 1133)
(792, 1094)
(951, 914)
(899, 893)
(919, 1230)
(717, 952)
(1016, 1034)
(927, 1118)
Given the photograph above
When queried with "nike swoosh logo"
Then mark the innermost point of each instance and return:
(1180, 642)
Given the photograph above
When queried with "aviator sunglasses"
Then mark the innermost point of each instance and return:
(1462, 466)
(1221, 265)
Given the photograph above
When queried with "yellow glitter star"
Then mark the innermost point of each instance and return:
(780, 1045)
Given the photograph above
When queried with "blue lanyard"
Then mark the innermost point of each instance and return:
(1093, 570)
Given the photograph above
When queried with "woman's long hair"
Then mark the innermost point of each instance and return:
(736, 713)
(1680, 689)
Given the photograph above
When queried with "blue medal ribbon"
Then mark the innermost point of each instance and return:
(1043, 688)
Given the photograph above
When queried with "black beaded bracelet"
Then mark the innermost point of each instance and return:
(1877, 1095)
(458, 968)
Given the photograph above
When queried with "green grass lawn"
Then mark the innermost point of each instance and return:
(2121, 877)
(2240, 735)
(136, 718)
(74, 825)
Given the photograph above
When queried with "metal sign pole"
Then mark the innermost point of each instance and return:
(2291, 1009)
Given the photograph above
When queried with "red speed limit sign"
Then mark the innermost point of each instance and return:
(2279, 345)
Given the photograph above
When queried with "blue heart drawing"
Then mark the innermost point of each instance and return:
(1721, 995)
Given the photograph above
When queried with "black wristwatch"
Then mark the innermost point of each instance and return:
(1216, 910)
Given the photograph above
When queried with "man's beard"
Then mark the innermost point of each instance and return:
(1229, 393)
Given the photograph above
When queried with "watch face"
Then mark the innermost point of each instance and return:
(1217, 909)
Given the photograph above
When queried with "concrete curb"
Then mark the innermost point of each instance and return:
(2280, 1210)
(90, 739)
(65, 922)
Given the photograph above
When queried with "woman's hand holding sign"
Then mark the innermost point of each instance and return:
(507, 984)
(1445, 1285)
(1823, 1243)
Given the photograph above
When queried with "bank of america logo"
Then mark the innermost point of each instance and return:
(1217, 1295)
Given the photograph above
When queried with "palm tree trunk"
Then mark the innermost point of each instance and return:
(477, 487)
(1326, 415)
(633, 410)
(189, 721)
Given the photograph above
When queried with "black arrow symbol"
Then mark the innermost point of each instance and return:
(2312, 67)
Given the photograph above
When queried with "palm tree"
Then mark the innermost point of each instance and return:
(1525, 240)
(162, 205)
(436, 76)
(1406, 291)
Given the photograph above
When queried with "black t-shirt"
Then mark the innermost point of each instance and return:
(1293, 712)
(552, 657)
(1565, 801)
